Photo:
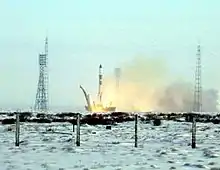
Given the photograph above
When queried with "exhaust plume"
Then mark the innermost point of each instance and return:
(146, 85)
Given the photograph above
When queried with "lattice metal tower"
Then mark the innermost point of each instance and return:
(41, 102)
(117, 78)
(197, 104)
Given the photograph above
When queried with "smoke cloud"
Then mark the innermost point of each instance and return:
(146, 84)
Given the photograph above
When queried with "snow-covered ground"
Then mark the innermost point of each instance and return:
(159, 147)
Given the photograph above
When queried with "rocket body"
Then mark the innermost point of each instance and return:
(100, 83)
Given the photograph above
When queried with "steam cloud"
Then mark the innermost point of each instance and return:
(146, 84)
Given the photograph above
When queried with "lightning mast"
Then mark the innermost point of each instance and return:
(197, 104)
(41, 102)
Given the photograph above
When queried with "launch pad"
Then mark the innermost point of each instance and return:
(97, 106)
(100, 108)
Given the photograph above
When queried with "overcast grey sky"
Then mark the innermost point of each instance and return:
(83, 34)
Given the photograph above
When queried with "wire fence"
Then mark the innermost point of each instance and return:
(170, 132)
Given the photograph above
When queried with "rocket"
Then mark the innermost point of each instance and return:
(100, 83)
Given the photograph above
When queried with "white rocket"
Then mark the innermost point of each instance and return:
(100, 84)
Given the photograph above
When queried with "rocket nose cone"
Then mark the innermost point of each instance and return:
(100, 66)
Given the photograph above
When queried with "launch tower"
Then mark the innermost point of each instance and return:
(41, 102)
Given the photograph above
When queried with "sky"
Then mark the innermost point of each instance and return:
(85, 33)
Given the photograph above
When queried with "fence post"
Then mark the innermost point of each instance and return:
(78, 130)
(73, 127)
(193, 131)
(17, 130)
(135, 132)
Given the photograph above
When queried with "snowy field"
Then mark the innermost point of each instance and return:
(159, 147)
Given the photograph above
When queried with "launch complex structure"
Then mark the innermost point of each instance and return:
(97, 107)
(197, 105)
(42, 98)
(42, 101)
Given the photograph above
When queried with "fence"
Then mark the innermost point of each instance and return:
(77, 142)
